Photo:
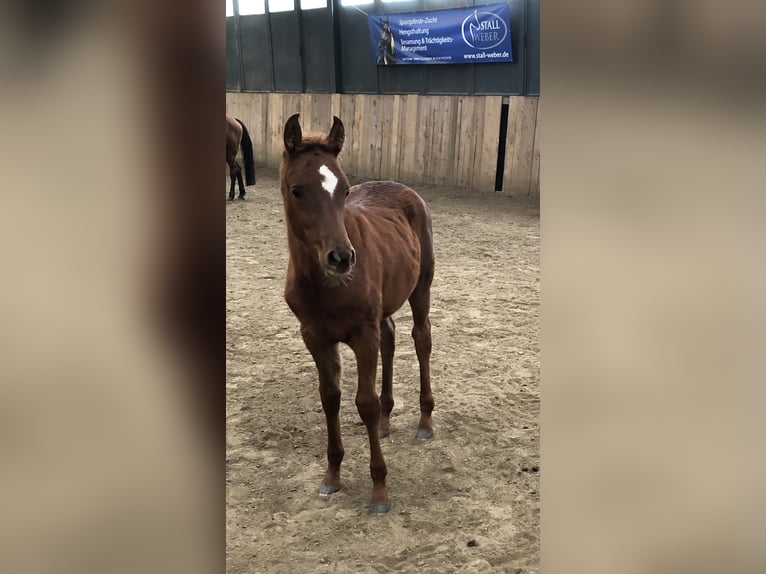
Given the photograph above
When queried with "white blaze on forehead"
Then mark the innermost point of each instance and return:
(329, 180)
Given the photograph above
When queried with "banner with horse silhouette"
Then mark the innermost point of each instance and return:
(480, 34)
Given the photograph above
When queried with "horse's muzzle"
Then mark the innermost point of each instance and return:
(340, 260)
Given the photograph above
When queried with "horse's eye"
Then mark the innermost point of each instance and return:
(297, 191)
(346, 193)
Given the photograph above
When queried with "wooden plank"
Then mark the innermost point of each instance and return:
(307, 124)
(335, 106)
(426, 130)
(474, 130)
(357, 147)
(445, 130)
(388, 122)
(408, 150)
(292, 105)
(452, 133)
(487, 136)
(459, 147)
(360, 125)
(370, 138)
(276, 129)
(254, 120)
(346, 115)
(416, 151)
(400, 105)
(398, 155)
(375, 143)
(519, 146)
(477, 125)
(488, 139)
(424, 169)
(232, 104)
(466, 148)
(321, 115)
(511, 143)
(441, 138)
(437, 163)
(534, 178)
(262, 130)
(258, 131)
(257, 126)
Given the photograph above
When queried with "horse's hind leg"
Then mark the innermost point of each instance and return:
(233, 177)
(327, 360)
(387, 345)
(420, 302)
(241, 184)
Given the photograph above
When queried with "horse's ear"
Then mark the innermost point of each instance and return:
(337, 135)
(293, 135)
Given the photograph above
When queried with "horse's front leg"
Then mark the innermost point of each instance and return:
(365, 346)
(327, 360)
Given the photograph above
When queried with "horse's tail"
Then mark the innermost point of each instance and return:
(247, 152)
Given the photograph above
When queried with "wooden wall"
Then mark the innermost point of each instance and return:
(440, 140)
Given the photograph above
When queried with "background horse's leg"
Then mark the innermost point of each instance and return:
(387, 346)
(233, 177)
(420, 302)
(327, 360)
(366, 346)
(241, 183)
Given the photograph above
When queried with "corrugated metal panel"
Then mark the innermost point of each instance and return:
(285, 46)
(318, 50)
(358, 65)
(533, 48)
(232, 56)
(256, 51)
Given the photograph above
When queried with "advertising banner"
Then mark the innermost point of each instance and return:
(475, 35)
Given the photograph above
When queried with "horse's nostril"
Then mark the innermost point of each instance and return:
(340, 260)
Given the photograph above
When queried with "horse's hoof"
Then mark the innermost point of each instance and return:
(424, 434)
(379, 508)
(384, 433)
(328, 489)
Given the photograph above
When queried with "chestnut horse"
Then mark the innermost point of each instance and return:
(356, 255)
(236, 134)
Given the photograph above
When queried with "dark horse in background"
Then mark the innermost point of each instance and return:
(356, 255)
(236, 136)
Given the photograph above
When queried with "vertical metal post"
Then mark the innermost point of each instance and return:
(335, 12)
(525, 90)
(271, 45)
(301, 51)
(377, 6)
(238, 32)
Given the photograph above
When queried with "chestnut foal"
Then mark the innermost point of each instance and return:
(356, 255)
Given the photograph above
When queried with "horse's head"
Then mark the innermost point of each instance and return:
(314, 189)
